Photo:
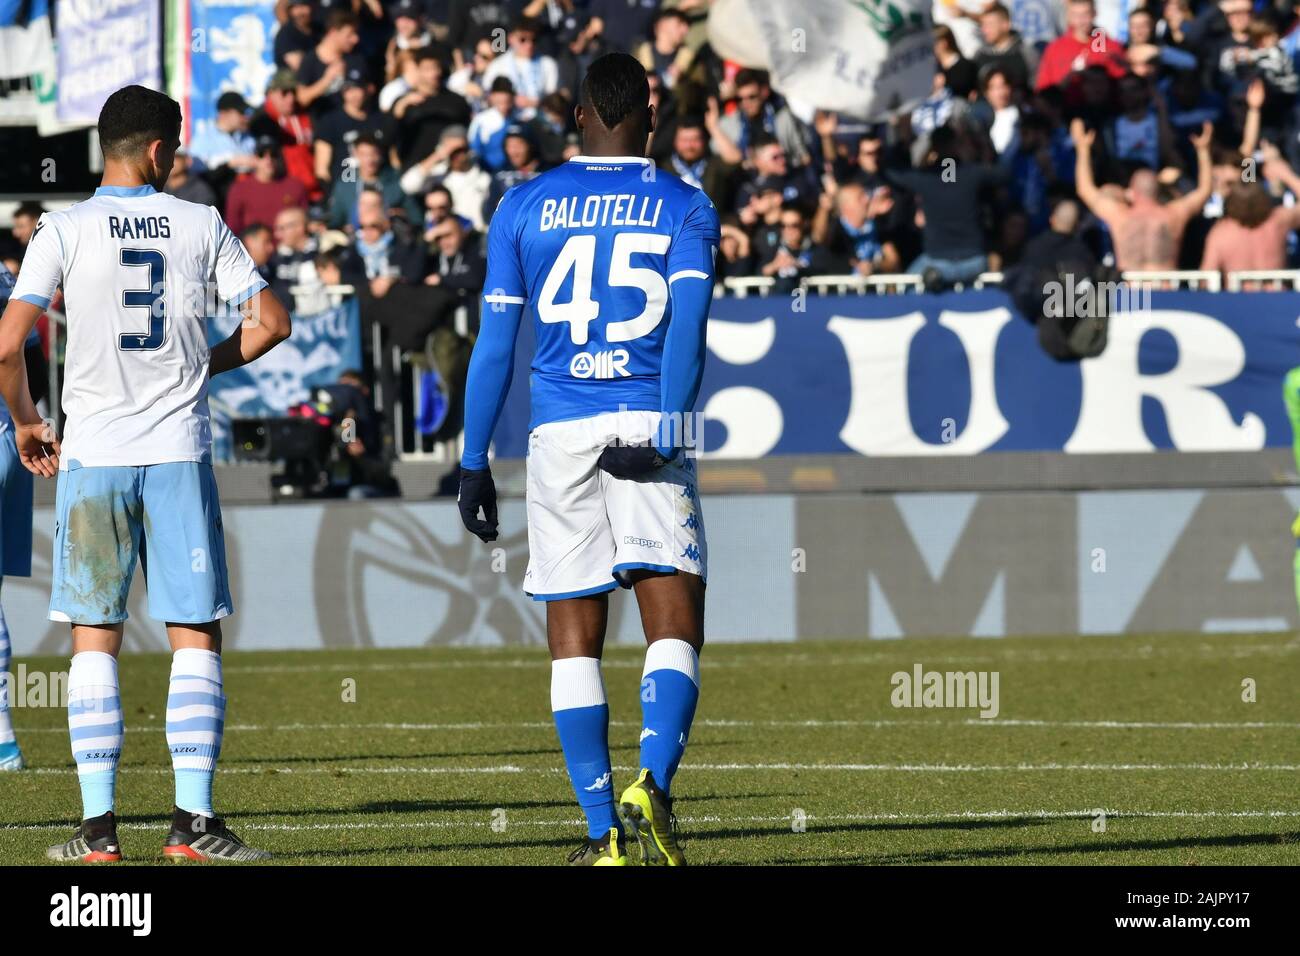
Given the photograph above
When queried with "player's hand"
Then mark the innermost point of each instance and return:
(631, 461)
(477, 490)
(38, 449)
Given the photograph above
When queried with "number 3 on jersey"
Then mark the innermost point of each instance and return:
(152, 298)
(579, 256)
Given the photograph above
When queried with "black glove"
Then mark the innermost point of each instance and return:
(477, 490)
(631, 461)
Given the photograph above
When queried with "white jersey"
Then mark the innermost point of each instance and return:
(140, 271)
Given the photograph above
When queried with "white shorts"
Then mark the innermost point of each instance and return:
(586, 528)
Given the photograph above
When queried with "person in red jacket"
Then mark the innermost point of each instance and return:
(284, 121)
(1081, 46)
(266, 193)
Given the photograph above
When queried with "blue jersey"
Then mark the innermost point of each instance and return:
(594, 249)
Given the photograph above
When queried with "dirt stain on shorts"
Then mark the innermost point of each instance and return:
(99, 546)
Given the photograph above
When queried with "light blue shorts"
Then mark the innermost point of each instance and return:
(168, 514)
(15, 510)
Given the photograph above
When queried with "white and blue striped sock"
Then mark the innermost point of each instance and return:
(196, 720)
(95, 725)
(7, 741)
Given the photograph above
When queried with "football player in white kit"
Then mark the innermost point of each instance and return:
(140, 272)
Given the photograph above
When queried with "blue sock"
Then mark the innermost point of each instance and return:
(670, 688)
(196, 722)
(582, 720)
(95, 725)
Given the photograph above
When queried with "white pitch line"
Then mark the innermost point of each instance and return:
(811, 819)
(824, 767)
(933, 723)
(800, 659)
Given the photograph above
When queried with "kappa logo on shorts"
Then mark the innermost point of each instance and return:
(692, 551)
(600, 365)
(642, 542)
(691, 522)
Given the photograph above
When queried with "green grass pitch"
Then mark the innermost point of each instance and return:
(448, 756)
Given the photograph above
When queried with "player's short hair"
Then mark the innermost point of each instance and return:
(428, 54)
(367, 139)
(134, 117)
(615, 87)
(762, 141)
(999, 9)
(749, 77)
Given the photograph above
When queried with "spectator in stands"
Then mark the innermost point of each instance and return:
(487, 132)
(280, 120)
(1003, 48)
(437, 208)
(759, 113)
(1233, 48)
(424, 113)
(474, 20)
(224, 148)
(459, 261)
(326, 67)
(257, 239)
(1139, 135)
(521, 165)
(453, 165)
(1032, 165)
(1146, 54)
(470, 80)
(296, 37)
(339, 130)
(261, 196)
(851, 225)
(1252, 234)
(401, 84)
(666, 52)
(694, 163)
(386, 257)
(532, 76)
(368, 169)
(291, 265)
(770, 169)
(1070, 54)
(26, 216)
(1147, 234)
(409, 34)
(868, 160)
(735, 256)
(950, 192)
(1003, 114)
(621, 24)
(183, 185)
(552, 130)
(795, 255)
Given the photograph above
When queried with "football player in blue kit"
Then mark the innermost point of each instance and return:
(614, 261)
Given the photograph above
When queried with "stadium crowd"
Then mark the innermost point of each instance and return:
(1166, 139)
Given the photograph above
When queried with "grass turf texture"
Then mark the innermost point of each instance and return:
(449, 756)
